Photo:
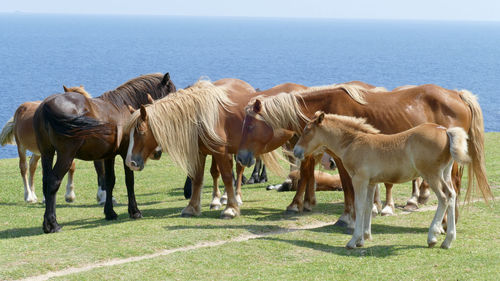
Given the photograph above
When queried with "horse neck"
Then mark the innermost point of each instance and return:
(336, 138)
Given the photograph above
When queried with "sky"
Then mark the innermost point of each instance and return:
(462, 10)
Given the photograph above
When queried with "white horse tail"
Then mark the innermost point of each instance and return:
(7, 134)
(458, 145)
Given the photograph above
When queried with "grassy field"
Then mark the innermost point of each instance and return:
(398, 250)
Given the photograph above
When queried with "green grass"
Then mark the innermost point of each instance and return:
(398, 250)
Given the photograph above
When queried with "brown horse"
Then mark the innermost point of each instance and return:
(427, 150)
(206, 119)
(19, 131)
(270, 123)
(75, 126)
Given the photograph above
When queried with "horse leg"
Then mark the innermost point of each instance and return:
(425, 193)
(101, 188)
(109, 183)
(254, 178)
(263, 174)
(367, 224)
(377, 203)
(310, 196)
(194, 206)
(23, 167)
(51, 181)
(70, 188)
(436, 184)
(412, 203)
(297, 202)
(361, 193)
(389, 208)
(225, 163)
(348, 217)
(133, 210)
(33, 163)
(451, 195)
(239, 181)
(216, 195)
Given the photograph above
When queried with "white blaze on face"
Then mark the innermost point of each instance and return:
(130, 146)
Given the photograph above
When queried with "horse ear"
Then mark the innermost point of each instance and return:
(144, 115)
(257, 106)
(165, 79)
(150, 99)
(131, 109)
(81, 86)
(320, 117)
(65, 89)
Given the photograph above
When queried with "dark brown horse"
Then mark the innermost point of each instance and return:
(75, 126)
(270, 123)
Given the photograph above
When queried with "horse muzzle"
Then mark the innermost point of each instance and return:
(298, 152)
(245, 157)
(135, 164)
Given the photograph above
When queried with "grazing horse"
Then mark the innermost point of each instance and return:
(204, 119)
(427, 150)
(75, 126)
(19, 131)
(270, 122)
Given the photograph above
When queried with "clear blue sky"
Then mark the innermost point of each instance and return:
(482, 10)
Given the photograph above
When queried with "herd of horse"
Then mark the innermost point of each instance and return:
(374, 136)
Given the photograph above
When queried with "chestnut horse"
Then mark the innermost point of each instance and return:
(270, 122)
(19, 131)
(206, 119)
(75, 126)
(427, 150)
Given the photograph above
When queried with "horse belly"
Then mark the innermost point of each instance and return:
(93, 149)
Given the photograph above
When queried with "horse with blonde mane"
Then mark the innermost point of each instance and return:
(427, 150)
(75, 126)
(272, 121)
(19, 131)
(204, 119)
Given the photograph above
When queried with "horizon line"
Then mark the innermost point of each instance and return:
(17, 12)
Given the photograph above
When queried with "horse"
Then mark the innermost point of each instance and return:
(272, 121)
(427, 150)
(324, 182)
(19, 131)
(75, 126)
(206, 119)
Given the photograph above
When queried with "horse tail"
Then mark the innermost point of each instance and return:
(74, 125)
(7, 134)
(458, 145)
(477, 167)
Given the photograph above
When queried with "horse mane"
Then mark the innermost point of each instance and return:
(133, 92)
(179, 120)
(80, 90)
(351, 123)
(356, 92)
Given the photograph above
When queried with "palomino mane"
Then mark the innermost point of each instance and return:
(356, 92)
(179, 120)
(134, 92)
(80, 90)
(351, 123)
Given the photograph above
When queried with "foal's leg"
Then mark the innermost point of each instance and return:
(239, 181)
(360, 199)
(348, 217)
(310, 196)
(367, 224)
(194, 206)
(436, 184)
(33, 163)
(449, 191)
(377, 203)
(23, 167)
(412, 203)
(225, 163)
(51, 181)
(70, 188)
(388, 209)
(216, 195)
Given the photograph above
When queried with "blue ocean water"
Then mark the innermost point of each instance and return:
(40, 53)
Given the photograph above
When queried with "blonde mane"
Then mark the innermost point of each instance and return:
(80, 90)
(351, 123)
(356, 92)
(180, 119)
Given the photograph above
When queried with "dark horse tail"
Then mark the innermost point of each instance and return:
(74, 125)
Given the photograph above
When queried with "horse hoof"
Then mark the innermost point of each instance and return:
(136, 215)
(262, 180)
(360, 244)
(350, 245)
(229, 213)
(431, 243)
(251, 180)
(445, 246)
(215, 206)
(51, 227)
(387, 211)
(189, 212)
(410, 207)
(292, 209)
(223, 201)
(307, 207)
(111, 216)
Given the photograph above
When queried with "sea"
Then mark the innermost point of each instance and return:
(41, 53)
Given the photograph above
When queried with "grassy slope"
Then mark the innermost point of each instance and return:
(398, 250)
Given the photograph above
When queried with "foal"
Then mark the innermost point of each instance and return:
(427, 150)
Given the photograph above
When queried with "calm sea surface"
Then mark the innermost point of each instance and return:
(40, 53)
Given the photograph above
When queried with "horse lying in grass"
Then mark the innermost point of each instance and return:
(427, 150)
(19, 131)
(74, 126)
